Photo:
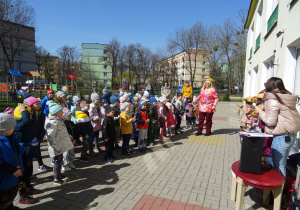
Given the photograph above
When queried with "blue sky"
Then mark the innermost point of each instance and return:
(149, 22)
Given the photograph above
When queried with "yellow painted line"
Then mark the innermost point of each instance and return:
(209, 140)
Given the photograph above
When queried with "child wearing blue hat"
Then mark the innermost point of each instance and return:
(58, 140)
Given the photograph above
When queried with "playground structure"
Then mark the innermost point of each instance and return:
(13, 91)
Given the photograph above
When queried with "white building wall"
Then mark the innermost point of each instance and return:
(280, 51)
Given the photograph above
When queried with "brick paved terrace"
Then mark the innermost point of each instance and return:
(186, 172)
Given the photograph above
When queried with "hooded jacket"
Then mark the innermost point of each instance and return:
(95, 116)
(10, 158)
(57, 136)
(280, 118)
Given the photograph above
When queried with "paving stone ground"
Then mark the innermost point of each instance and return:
(186, 172)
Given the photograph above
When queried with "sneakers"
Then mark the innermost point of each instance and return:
(32, 191)
(141, 149)
(66, 168)
(198, 134)
(84, 159)
(125, 155)
(59, 182)
(27, 199)
(72, 166)
(64, 178)
(45, 168)
(151, 145)
(108, 160)
(96, 150)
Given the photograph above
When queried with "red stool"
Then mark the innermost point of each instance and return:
(270, 180)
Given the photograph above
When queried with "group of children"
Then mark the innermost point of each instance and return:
(66, 121)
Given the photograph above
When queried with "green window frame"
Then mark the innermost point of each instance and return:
(257, 42)
(272, 20)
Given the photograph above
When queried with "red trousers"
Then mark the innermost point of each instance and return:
(202, 116)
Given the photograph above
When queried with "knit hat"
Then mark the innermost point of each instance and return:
(9, 111)
(75, 99)
(60, 94)
(114, 99)
(32, 100)
(104, 101)
(69, 98)
(108, 109)
(53, 107)
(87, 97)
(50, 91)
(124, 98)
(142, 102)
(152, 100)
(26, 95)
(125, 105)
(7, 122)
(162, 99)
(146, 94)
(67, 112)
(135, 99)
(94, 96)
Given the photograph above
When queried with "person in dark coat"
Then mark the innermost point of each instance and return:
(109, 133)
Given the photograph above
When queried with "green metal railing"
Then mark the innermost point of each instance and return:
(257, 43)
(272, 19)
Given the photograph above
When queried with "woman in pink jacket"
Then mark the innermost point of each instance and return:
(281, 119)
(208, 101)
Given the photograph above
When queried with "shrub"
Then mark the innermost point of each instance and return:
(226, 97)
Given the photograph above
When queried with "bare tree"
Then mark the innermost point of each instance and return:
(114, 51)
(190, 41)
(69, 62)
(15, 14)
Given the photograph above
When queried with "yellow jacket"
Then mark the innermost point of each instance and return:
(187, 91)
(126, 126)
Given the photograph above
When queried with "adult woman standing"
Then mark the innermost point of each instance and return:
(282, 120)
(165, 91)
(208, 100)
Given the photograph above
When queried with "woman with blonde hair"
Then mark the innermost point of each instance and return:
(208, 100)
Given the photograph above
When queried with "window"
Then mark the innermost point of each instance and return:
(105, 66)
(203, 62)
(258, 25)
(105, 74)
(272, 13)
(203, 70)
(105, 82)
(270, 70)
(19, 66)
(105, 58)
(204, 55)
(19, 54)
(17, 30)
(105, 51)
